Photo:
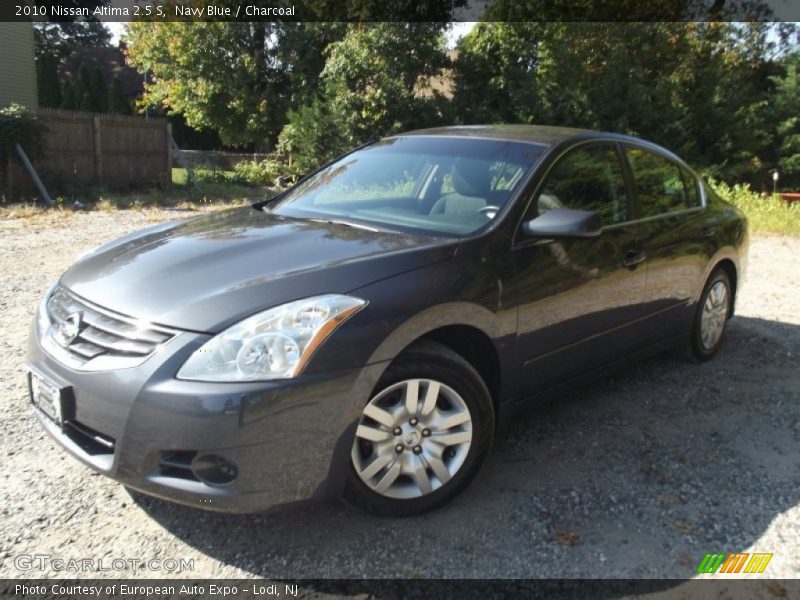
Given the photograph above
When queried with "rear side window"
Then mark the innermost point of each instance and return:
(587, 179)
(692, 189)
(660, 184)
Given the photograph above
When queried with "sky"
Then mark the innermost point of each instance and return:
(116, 30)
(458, 31)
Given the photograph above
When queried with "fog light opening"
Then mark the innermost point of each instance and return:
(214, 469)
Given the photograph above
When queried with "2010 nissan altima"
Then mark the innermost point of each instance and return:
(367, 332)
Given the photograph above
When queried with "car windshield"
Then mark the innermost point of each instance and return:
(427, 184)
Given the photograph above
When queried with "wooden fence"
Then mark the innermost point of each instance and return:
(83, 149)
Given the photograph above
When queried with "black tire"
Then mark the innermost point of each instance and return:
(693, 349)
(434, 361)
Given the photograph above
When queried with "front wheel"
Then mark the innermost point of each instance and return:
(422, 436)
(710, 318)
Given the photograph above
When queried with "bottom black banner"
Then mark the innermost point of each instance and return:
(255, 589)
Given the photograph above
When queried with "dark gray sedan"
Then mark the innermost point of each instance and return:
(367, 332)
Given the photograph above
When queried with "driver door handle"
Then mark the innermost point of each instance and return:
(633, 258)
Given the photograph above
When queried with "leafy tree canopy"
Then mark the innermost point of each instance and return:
(117, 102)
(47, 82)
(239, 79)
(59, 38)
(377, 79)
(787, 113)
(702, 89)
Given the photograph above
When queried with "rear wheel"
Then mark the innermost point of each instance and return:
(710, 318)
(422, 436)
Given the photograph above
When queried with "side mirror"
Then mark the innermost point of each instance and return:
(561, 222)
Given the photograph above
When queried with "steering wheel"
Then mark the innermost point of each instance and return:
(490, 211)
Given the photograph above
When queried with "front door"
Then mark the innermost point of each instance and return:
(578, 299)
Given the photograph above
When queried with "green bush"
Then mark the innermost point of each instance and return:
(19, 126)
(311, 137)
(764, 213)
(254, 172)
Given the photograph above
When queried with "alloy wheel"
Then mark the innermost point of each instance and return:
(412, 438)
(714, 315)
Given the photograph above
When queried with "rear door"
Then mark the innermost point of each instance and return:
(673, 239)
(578, 299)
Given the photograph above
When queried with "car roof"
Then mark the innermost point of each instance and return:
(543, 135)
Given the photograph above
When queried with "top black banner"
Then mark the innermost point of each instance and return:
(400, 10)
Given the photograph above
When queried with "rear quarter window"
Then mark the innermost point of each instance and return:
(692, 186)
(661, 186)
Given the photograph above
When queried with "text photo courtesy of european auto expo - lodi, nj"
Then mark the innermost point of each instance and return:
(456, 299)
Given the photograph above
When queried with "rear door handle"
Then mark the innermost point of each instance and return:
(633, 258)
(708, 232)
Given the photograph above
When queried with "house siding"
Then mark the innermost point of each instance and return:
(17, 66)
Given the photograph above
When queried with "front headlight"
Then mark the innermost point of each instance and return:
(274, 344)
(42, 318)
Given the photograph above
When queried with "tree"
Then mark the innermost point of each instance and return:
(88, 92)
(787, 113)
(499, 73)
(83, 80)
(238, 79)
(310, 138)
(376, 79)
(55, 41)
(700, 89)
(629, 11)
(47, 82)
(60, 39)
(86, 103)
(71, 99)
(98, 92)
(117, 102)
(59, 36)
(83, 88)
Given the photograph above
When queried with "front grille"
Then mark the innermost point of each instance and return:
(102, 333)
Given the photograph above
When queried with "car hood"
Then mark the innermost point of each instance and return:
(209, 272)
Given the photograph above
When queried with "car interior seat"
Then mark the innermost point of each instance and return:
(472, 182)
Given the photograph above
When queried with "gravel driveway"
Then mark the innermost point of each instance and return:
(639, 476)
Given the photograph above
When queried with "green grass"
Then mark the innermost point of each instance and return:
(768, 214)
(204, 176)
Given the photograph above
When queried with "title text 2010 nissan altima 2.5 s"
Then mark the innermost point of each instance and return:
(366, 332)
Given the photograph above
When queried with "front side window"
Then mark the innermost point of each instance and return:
(660, 184)
(586, 179)
(430, 184)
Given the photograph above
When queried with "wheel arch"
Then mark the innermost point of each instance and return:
(476, 348)
(726, 258)
(473, 332)
(727, 265)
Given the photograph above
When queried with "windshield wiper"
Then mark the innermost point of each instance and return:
(348, 223)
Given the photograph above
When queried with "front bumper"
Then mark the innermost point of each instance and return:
(289, 440)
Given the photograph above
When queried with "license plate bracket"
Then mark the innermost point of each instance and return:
(52, 400)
